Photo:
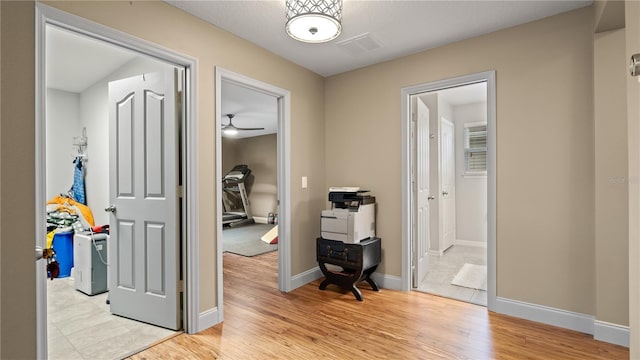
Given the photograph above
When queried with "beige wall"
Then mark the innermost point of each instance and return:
(611, 195)
(260, 154)
(545, 206)
(632, 37)
(229, 154)
(608, 15)
(214, 47)
(17, 182)
(186, 34)
(546, 211)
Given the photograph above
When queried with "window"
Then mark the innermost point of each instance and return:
(475, 148)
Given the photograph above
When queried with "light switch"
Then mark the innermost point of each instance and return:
(304, 182)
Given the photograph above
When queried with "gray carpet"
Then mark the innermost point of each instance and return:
(245, 240)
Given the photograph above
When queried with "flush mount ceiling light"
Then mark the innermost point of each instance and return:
(314, 21)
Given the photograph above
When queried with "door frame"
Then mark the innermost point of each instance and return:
(408, 203)
(190, 218)
(283, 97)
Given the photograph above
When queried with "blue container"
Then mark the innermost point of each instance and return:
(63, 246)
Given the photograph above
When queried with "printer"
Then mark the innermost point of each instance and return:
(351, 217)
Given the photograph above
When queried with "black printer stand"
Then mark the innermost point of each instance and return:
(358, 262)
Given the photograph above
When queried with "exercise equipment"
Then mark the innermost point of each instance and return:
(233, 186)
(271, 236)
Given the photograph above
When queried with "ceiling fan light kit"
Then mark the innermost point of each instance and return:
(314, 21)
(231, 129)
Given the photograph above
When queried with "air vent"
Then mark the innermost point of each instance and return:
(358, 45)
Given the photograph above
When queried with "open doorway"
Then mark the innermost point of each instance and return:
(77, 130)
(79, 300)
(449, 191)
(249, 132)
(229, 80)
(452, 174)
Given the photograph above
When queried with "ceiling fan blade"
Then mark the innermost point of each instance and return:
(230, 125)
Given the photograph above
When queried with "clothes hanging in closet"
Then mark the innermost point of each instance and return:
(78, 181)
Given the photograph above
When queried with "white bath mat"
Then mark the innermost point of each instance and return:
(471, 276)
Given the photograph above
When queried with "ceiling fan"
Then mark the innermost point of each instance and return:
(231, 129)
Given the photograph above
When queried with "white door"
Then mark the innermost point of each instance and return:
(143, 184)
(421, 176)
(447, 184)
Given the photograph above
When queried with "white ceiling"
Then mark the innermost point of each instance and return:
(398, 27)
(76, 62)
(467, 94)
(251, 109)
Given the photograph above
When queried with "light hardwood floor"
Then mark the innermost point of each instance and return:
(263, 323)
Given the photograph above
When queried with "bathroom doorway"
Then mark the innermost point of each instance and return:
(450, 177)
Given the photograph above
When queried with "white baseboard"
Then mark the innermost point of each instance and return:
(611, 333)
(208, 318)
(470, 243)
(435, 252)
(546, 315)
(305, 277)
(601, 330)
(385, 281)
(260, 220)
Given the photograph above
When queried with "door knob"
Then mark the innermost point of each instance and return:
(111, 208)
(634, 67)
(430, 197)
(444, 193)
(44, 253)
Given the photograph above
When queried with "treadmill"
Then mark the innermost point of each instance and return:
(233, 186)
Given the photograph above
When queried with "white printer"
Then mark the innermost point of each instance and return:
(352, 216)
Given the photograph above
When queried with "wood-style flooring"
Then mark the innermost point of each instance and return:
(262, 323)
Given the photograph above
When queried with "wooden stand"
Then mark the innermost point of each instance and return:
(358, 262)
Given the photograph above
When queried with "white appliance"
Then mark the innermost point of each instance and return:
(352, 216)
(90, 262)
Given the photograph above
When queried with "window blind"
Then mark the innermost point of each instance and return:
(475, 151)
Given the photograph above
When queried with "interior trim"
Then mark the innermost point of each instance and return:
(306, 277)
(601, 330)
(209, 318)
(546, 315)
(611, 333)
(48, 15)
(490, 78)
(388, 281)
(471, 243)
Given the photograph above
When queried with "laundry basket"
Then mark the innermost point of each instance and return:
(63, 246)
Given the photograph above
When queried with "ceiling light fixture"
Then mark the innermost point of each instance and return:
(314, 21)
(230, 131)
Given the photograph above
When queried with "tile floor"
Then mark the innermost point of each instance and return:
(81, 326)
(442, 269)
